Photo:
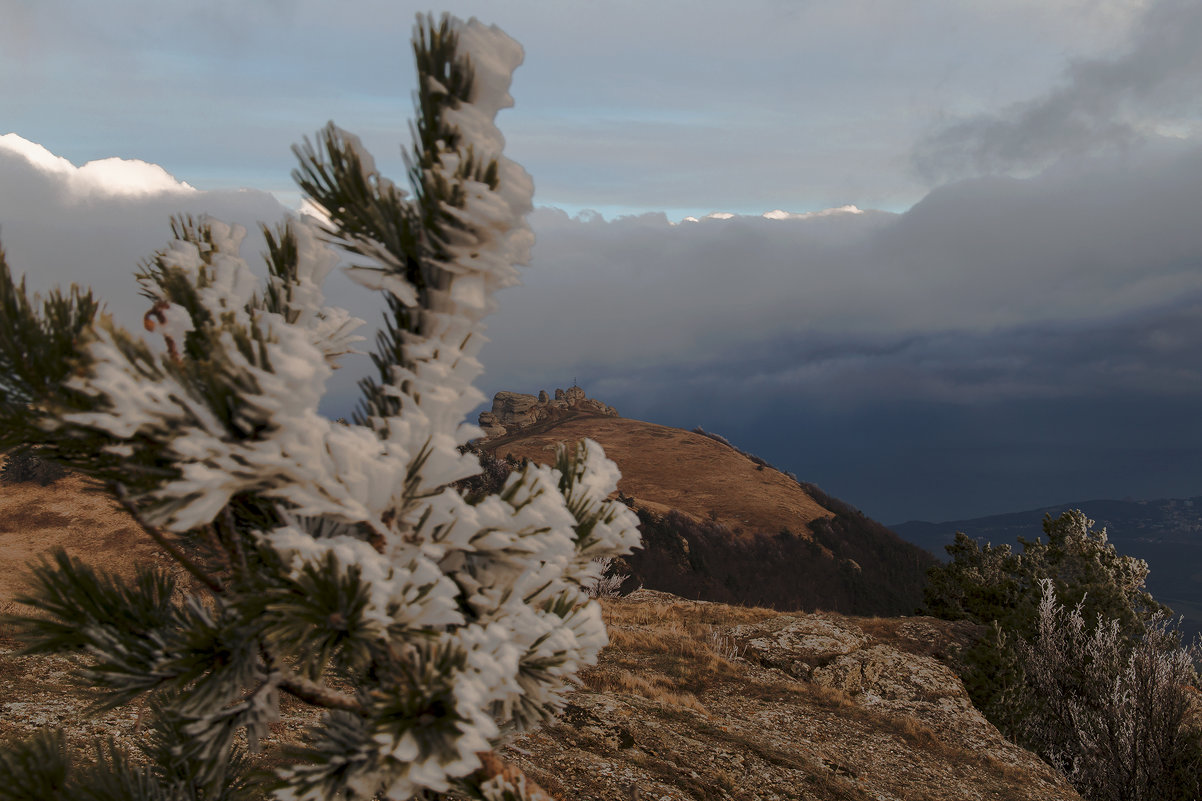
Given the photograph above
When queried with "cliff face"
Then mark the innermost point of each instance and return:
(513, 411)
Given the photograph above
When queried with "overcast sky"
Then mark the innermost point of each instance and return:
(985, 296)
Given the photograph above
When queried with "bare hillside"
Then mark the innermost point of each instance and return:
(719, 525)
(70, 514)
(669, 468)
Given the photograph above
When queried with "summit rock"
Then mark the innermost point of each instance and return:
(514, 411)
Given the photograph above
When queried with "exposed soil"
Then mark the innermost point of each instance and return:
(74, 514)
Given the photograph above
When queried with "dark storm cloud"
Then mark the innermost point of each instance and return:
(1145, 354)
(1005, 343)
(1102, 103)
(944, 426)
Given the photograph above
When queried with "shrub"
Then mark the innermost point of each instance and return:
(23, 466)
(494, 473)
(1113, 714)
(608, 581)
(1096, 683)
(995, 583)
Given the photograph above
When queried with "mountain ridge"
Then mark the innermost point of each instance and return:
(721, 525)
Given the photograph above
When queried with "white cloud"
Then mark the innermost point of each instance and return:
(95, 225)
(781, 214)
(111, 177)
(1077, 247)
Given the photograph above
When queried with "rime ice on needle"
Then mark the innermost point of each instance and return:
(493, 588)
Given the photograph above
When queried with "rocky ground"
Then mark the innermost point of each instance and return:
(696, 701)
(691, 701)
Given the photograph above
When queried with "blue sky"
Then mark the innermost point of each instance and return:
(1011, 319)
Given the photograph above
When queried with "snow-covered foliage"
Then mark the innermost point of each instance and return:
(341, 565)
(1114, 715)
(607, 583)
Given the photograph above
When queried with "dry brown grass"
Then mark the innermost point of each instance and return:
(793, 691)
(654, 688)
(8, 631)
(620, 611)
(667, 650)
(672, 652)
(706, 476)
(922, 737)
(71, 514)
(823, 776)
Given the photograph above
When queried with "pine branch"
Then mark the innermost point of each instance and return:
(495, 769)
(328, 550)
(156, 535)
(229, 539)
(317, 694)
(36, 769)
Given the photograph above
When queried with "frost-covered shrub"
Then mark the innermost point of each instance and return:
(608, 582)
(494, 473)
(1112, 713)
(332, 561)
(1001, 587)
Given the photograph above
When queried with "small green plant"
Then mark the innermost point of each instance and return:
(22, 466)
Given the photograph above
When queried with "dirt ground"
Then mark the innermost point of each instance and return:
(73, 514)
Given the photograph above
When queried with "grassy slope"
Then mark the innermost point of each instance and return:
(722, 526)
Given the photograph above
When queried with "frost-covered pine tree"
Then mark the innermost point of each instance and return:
(333, 562)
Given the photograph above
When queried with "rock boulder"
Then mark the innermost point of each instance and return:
(513, 411)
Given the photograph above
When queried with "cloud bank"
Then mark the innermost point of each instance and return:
(103, 178)
(1090, 243)
(1024, 339)
(1005, 343)
(96, 224)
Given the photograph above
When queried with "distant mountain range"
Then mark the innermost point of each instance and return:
(1166, 533)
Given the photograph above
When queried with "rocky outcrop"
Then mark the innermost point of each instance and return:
(513, 411)
(697, 701)
(830, 651)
